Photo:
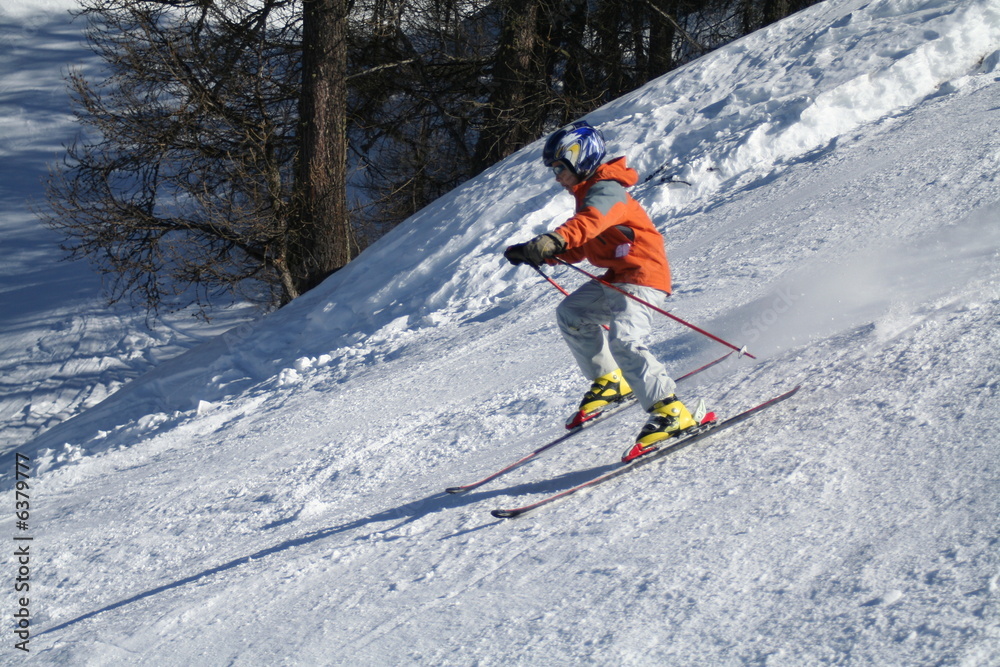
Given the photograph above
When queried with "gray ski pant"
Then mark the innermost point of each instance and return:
(580, 316)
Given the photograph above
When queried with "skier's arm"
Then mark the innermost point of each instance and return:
(603, 207)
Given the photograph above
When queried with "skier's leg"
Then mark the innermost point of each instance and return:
(631, 325)
(580, 316)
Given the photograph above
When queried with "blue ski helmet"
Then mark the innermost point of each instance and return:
(579, 145)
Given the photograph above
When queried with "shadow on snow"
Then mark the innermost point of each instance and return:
(408, 513)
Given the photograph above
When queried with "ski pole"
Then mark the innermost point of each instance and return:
(542, 274)
(557, 286)
(741, 350)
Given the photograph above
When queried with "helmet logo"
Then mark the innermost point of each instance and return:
(570, 154)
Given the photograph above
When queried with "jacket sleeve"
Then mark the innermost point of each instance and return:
(573, 255)
(603, 207)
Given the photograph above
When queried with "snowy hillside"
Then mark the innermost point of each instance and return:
(830, 193)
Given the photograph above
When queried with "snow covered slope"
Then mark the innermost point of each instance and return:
(274, 496)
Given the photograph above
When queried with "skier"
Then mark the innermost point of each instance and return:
(611, 230)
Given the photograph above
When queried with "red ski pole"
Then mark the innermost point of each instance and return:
(542, 274)
(557, 286)
(741, 350)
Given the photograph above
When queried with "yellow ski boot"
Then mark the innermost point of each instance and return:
(670, 418)
(607, 389)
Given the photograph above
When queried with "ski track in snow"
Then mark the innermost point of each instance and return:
(275, 494)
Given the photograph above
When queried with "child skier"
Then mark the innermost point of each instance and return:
(611, 230)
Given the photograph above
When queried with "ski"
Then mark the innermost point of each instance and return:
(653, 455)
(601, 416)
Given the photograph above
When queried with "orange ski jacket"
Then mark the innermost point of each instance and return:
(612, 230)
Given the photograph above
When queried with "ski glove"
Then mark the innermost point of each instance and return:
(537, 250)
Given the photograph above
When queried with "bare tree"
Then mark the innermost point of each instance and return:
(209, 162)
(415, 96)
(520, 97)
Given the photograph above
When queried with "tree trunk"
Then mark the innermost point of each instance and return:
(515, 112)
(661, 40)
(321, 242)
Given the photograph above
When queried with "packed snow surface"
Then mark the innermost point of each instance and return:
(828, 188)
